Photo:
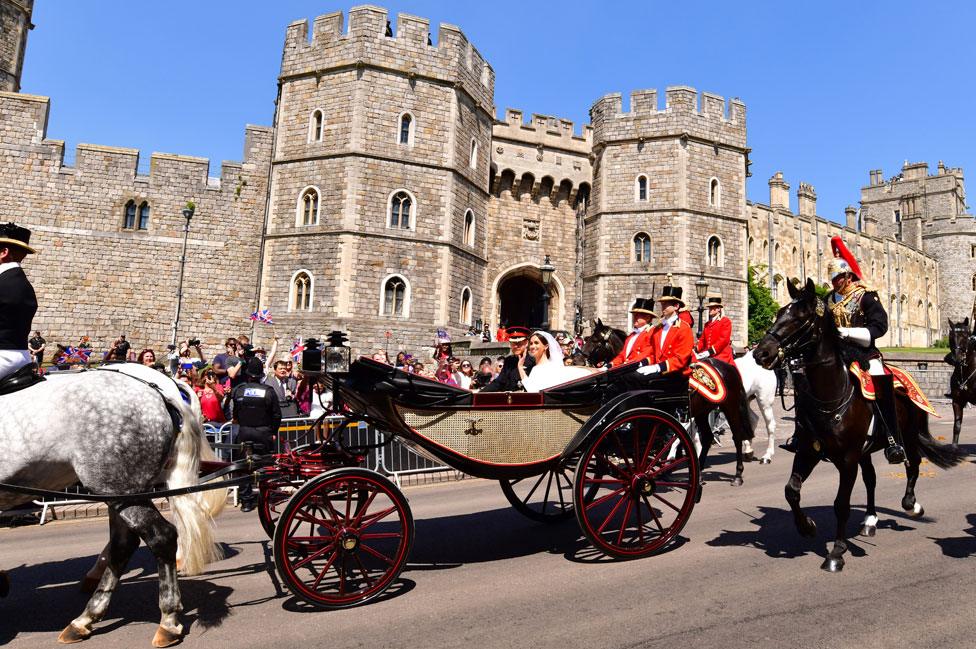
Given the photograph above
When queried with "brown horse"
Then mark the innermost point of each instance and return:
(834, 421)
(605, 343)
(962, 386)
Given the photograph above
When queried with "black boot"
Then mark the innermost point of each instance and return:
(789, 445)
(884, 395)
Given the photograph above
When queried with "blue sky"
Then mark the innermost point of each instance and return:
(832, 89)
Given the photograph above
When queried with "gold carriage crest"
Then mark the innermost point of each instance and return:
(699, 374)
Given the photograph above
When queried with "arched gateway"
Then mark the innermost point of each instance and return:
(517, 298)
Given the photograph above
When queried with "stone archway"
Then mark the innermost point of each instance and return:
(517, 298)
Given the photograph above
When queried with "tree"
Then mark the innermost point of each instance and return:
(762, 307)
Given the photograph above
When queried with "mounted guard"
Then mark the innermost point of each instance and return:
(18, 304)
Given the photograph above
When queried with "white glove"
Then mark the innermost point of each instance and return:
(858, 335)
(700, 356)
(649, 370)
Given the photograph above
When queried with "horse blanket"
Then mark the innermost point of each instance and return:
(903, 383)
(706, 381)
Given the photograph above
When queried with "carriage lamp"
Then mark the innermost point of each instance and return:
(337, 355)
(701, 290)
(547, 269)
(311, 357)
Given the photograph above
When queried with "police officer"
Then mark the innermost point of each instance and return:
(18, 303)
(258, 416)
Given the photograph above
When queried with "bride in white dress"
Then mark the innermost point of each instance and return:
(549, 369)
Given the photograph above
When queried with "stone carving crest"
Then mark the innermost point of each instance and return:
(530, 229)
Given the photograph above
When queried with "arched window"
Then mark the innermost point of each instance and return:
(468, 235)
(794, 259)
(308, 207)
(129, 221)
(752, 247)
(300, 294)
(395, 297)
(315, 124)
(714, 193)
(640, 188)
(405, 131)
(974, 282)
(642, 247)
(473, 161)
(144, 216)
(714, 252)
(401, 210)
(465, 313)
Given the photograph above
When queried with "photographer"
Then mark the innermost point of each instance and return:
(186, 363)
(229, 364)
(119, 351)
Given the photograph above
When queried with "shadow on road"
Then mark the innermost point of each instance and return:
(960, 547)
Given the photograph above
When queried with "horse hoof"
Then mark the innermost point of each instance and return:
(165, 638)
(831, 564)
(749, 457)
(867, 530)
(73, 634)
(737, 481)
(765, 460)
(917, 512)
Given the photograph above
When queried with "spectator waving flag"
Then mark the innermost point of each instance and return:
(296, 350)
(262, 316)
(73, 355)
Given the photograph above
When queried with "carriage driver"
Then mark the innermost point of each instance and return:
(861, 319)
(18, 303)
(716, 338)
(672, 342)
(638, 345)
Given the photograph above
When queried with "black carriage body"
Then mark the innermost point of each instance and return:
(494, 435)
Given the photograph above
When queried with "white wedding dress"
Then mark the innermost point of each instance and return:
(550, 371)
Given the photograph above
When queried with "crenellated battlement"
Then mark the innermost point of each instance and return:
(371, 38)
(544, 130)
(705, 116)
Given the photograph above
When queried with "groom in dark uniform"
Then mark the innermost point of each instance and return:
(17, 303)
(509, 379)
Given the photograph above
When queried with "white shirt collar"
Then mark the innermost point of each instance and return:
(7, 266)
(670, 321)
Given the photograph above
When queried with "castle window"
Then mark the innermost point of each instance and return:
(972, 250)
(405, 132)
(897, 216)
(300, 294)
(714, 193)
(144, 216)
(640, 188)
(308, 207)
(751, 247)
(642, 247)
(469, 228)
(129, 222)
(974, 282)
(465, 313)
(473, 161)
(315, 126)
(714, 252)
(401, 210)
(395, 297)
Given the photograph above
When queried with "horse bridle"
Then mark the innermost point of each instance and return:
(793, 345)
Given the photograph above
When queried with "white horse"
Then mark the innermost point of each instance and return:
(118, 430)
(760, 384)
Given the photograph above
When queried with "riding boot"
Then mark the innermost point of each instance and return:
(789, 444)
(884, 399)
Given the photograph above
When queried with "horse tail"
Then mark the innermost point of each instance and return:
(944, 456)
(194, 512)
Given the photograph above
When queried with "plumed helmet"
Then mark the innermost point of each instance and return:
(838, 266)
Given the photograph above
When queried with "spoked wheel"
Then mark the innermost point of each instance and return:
(645, 475)
(547, 498)
(343, 538)
(273, 495)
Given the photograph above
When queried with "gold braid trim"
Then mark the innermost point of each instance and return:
(844, 310)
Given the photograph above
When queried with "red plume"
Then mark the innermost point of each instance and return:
(840, 250)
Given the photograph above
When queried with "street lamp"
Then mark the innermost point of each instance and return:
(547, 269)
(187, 214)
(701, 289)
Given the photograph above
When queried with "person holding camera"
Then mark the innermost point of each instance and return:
(258, 415)
(119, 351)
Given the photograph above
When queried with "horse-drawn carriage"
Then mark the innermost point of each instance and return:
(625, 467)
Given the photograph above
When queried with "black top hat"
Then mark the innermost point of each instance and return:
(517, 334)
(643, 305)
(13, 234)
(671, 294)
(713, 299)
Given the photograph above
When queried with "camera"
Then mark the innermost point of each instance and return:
(171, 347)
(247, 351)
(193, 342)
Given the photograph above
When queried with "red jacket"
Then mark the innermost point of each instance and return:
(642, 349)
(716, 338)
(687, 318)
(675, 356)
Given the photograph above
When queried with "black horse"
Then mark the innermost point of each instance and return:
(962, 387)
(834, 421)
(605, 343)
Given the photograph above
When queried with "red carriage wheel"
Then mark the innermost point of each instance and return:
(637, 481)
(343, 538)
(273, 495)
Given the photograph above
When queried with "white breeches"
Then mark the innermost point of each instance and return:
(876, 367)
(12, 360)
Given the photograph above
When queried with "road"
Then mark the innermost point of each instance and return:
(481, 575)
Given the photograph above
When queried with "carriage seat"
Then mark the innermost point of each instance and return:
(22, 378)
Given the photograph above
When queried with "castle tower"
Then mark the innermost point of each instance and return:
(15, 22)
(378, 207)
(676, 176)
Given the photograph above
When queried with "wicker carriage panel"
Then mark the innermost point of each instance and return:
(499, 436)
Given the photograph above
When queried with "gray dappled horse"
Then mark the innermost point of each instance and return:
(116, 434)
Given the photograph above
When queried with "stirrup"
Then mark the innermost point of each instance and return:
(895, 454)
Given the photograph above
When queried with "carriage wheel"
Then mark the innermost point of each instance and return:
(547, 498)
(639, 477)
(273, 495)
(343, 538)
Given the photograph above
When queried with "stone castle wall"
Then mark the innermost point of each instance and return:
(15, 22)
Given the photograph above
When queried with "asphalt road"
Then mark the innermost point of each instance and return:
(481, 575)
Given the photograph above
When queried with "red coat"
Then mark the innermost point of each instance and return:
(675, 356)
(687, 318)
(642, 349)
(717, 339)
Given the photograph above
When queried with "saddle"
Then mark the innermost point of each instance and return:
(707, 381)
(22, 378)
(903, 381)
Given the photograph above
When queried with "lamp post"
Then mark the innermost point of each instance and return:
(701, 289)
(187, 214)
(547, 269)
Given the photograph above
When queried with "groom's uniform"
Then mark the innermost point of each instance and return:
(509, 379)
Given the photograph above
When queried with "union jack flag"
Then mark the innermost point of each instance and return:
(296, 351)
(264, 316)
(74, 355)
